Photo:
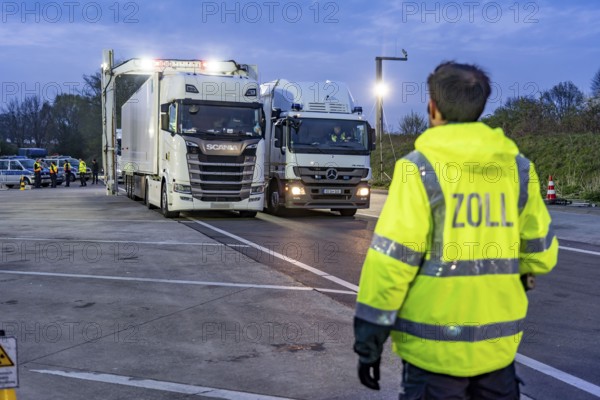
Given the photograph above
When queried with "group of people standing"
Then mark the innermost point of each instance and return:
(53, 169)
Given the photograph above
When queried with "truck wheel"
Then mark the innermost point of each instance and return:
(274, 201)
(164, 204)
(347, 212)
(248, 214)
(72, 177)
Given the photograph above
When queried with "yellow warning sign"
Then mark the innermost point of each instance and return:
(5, 360)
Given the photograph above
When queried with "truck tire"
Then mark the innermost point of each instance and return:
(248, 214)
(274, 200)
(72, 177)
(164, 204)
(347, 212)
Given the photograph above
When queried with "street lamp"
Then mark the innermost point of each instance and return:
(381, 90)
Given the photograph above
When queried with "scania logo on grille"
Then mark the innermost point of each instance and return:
(331, 174)
(228, 147)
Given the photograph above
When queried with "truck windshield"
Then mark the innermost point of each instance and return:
(220, 120)
(328, 136)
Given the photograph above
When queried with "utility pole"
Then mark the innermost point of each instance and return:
(379, 106)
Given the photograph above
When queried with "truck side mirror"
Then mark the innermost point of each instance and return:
(373, 138)
(278, 137)
(164, 121)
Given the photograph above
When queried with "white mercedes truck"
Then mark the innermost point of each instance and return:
(192, 136)
(318, 147)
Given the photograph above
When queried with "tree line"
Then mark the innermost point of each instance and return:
(70, 124)
(562, 109)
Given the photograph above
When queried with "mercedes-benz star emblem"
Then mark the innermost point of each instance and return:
(331, 174)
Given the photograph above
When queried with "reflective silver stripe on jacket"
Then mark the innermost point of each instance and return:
(375, 315)
(396, 250)
(523, 167)
(459, 333)
(538, 245)
(470, 267)
(436, 200)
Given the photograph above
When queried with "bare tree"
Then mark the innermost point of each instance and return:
(564, 99)
(412, 124)
(596, 85)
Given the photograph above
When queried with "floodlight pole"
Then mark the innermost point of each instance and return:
(379, 106)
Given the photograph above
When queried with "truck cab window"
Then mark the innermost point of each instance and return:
(173, 118)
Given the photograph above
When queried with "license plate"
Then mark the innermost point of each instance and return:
(332, 191)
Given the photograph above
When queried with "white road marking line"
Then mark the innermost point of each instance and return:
(161, 385)
(122, 241)
(270, 252)
(559, 375)
(595, 253)
(175, 281)
(145, 221)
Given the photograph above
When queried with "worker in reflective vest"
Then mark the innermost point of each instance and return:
(82, 171)
(67, 168)
(53, 173)
(464, 220)
(37, 172)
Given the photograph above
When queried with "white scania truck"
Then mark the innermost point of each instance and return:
(192, 136)
(318, 147)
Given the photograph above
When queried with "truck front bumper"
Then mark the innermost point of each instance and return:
(298, 195)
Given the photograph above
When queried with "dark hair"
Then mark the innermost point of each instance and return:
(459, 91)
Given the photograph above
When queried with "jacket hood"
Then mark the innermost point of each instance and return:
(472, 142)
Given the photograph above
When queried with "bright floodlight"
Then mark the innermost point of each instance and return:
(381, 89)
(147, 63)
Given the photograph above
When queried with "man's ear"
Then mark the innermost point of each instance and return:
(435, 116)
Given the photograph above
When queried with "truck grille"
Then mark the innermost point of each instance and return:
(220, 178)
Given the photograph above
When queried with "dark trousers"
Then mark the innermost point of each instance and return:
(419, 384)
(53, 180)
(94, 177)
(68, 178)
(82, 179)
(38, 179)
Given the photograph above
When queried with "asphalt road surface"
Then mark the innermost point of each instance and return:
(108, 299)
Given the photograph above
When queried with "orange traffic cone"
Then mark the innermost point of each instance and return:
(551, 194)
(22, 183)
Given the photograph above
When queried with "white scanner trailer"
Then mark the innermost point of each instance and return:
(191, 136)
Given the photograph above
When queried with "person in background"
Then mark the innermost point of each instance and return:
(67, 168)
(37, 171)
(82, 171)
(53, 174)
(338, 136)
(95, 169)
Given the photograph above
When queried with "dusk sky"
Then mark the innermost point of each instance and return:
(526, 46)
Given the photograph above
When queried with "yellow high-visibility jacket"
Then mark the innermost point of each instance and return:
(82, 167)
(464, 218)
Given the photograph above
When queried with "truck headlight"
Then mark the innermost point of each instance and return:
(179, 188)
(257, 189)
(297, 190)
(363, 192)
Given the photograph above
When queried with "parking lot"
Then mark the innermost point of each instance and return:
(108, 297)
(105, 296)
